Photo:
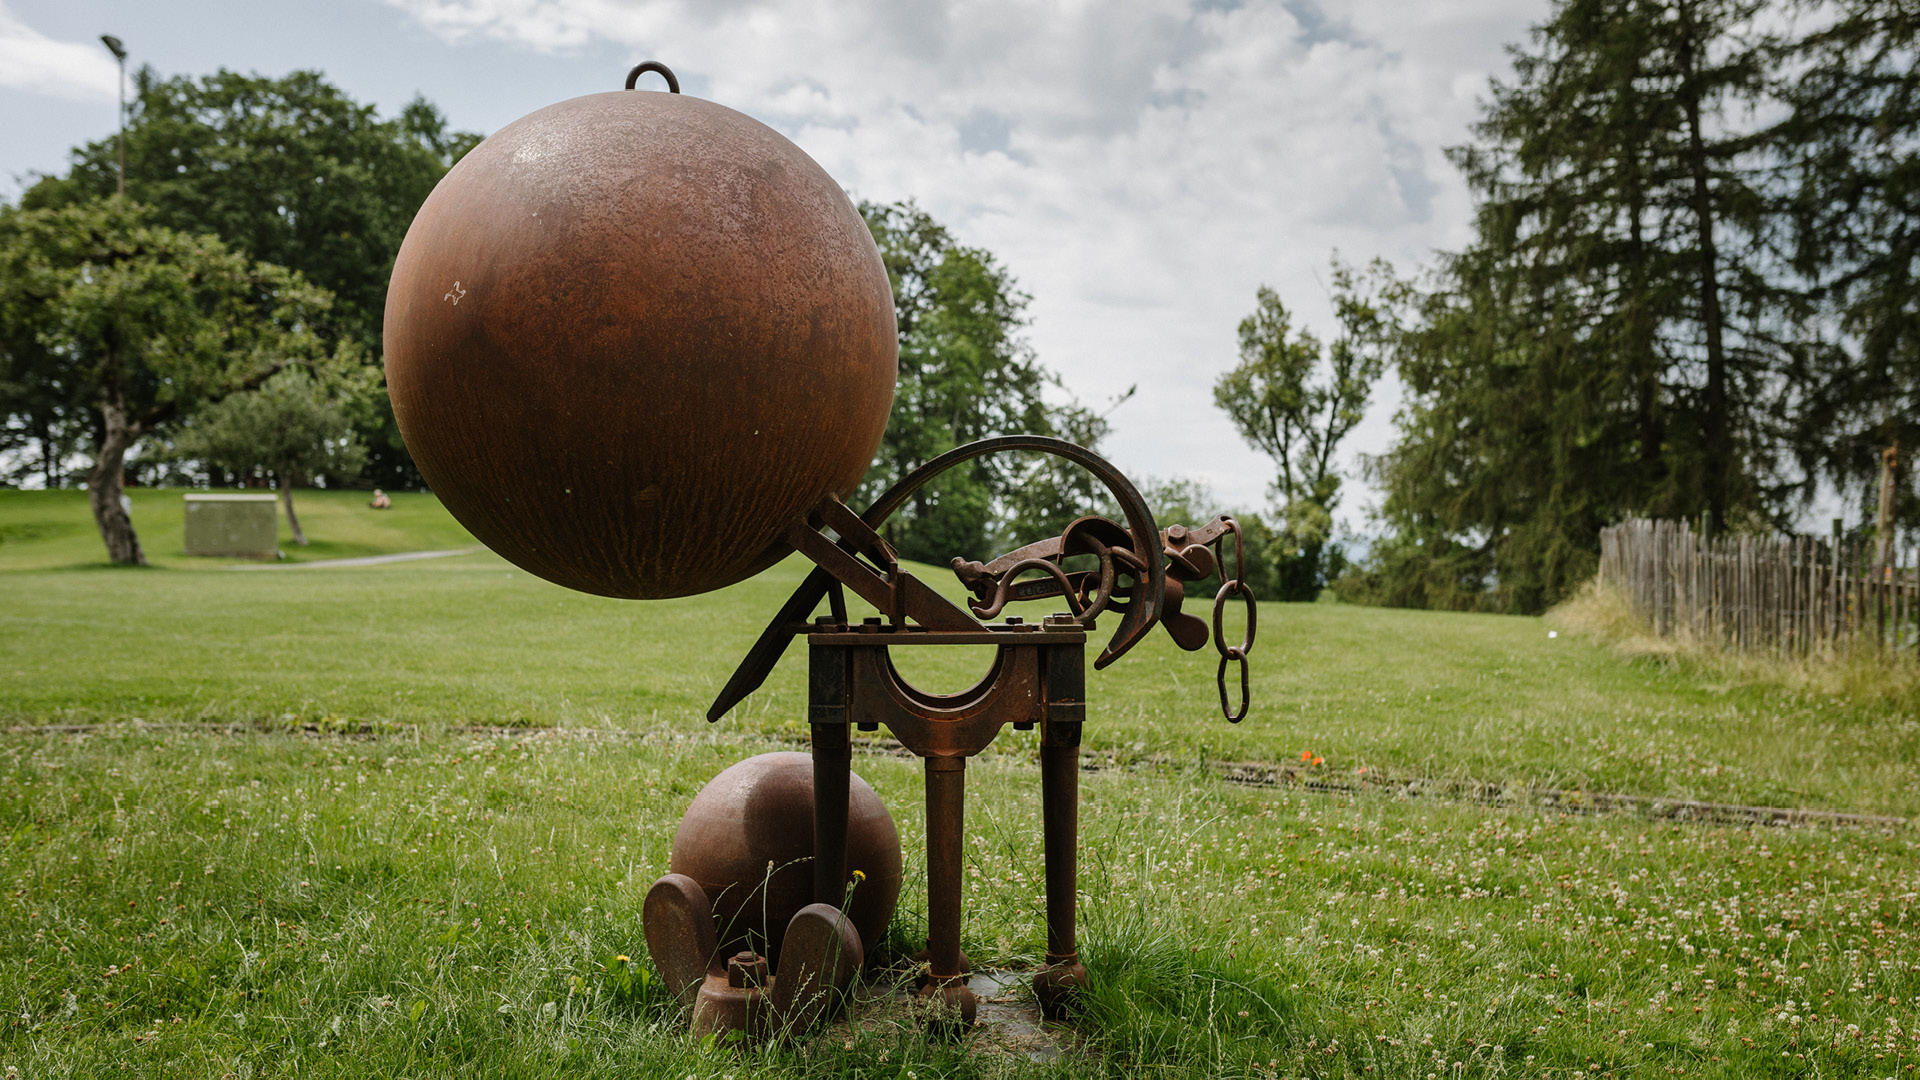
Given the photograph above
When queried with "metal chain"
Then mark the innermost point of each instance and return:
(1233, 653)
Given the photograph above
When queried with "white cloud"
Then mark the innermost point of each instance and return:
(1140, 165)
(31, 61)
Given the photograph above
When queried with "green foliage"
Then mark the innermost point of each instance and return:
(290, 428)
(1045, 494)
(1610, 343)
(1852, 143)
(128, 327)
(289, 171)
(1401, 571)
(965, 374)
(98, 298)
(1691, 294)
(1280, 407)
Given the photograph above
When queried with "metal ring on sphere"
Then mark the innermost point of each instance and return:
(633, 77)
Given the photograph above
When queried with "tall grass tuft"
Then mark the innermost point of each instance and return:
(1179, 998)
(1863, 675)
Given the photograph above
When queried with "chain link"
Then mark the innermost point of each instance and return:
(1226, 707)
(1233, 653)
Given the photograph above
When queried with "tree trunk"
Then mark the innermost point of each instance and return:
(1883, 522)
(1717, 432)
(286, 499)
(104, 484)
(1648, 423)
(43, 433)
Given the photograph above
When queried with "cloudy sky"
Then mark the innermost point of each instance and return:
(1141, 166)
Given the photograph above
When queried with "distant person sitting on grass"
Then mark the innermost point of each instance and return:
(380, 500)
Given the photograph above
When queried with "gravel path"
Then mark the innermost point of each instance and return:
(364, 560)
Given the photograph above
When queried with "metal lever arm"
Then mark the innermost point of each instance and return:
(890, 589)
(894, 591)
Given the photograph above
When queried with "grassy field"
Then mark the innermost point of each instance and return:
(470, 639)
(405, 897)
(53, 530)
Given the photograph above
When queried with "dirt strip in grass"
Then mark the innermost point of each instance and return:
(1245, 773)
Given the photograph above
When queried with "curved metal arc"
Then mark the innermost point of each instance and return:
(1140, 617)
(1136, 618)
(957, 706)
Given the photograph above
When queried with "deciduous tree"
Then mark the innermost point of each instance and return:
(134, 326)
(1296, 400)
(289, 171)
(290, 428)
(966, 373)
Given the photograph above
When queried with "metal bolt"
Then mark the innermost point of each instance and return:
(747, 971)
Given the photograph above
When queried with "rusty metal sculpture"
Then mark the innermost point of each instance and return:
(1037, 678)
(643, 346)
(747, 841)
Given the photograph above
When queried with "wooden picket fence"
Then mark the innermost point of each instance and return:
(1792, 595)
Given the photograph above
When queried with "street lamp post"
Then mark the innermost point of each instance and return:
(119, 52)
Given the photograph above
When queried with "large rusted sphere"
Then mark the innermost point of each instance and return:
(632, 336)
(760, 811)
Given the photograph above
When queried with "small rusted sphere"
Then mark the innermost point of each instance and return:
(631, 336)
(760, 812)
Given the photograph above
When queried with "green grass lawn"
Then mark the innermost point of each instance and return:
(471, 639)
(273, 905)
(408, 898)
(54, 530)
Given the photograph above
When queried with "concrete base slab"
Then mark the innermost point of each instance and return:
(1008, 1021)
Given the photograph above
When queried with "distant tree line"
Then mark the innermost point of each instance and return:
(1691, 293)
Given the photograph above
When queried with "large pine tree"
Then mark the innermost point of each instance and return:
(1609, 342)
(1852, 144)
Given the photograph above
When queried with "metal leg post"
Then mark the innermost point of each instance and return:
(946, 809)
(832, 784)
(1055, 984)
(827, 700)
